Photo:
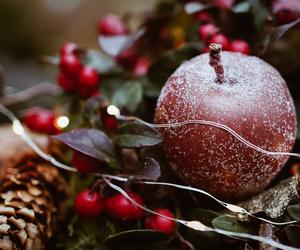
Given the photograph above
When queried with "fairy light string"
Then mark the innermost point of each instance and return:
(196, 225)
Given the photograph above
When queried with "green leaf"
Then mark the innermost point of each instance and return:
(259, 13)
(137, 240)
(129, 96)
(294, 211)
(100, 61)
(161, 69)
(230, 223)
(136, 135)
(292, 234)
(241, 7)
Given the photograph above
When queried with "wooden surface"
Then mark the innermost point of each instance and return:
(12, 146)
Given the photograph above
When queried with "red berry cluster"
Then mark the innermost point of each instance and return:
(210, 33)
(89, 203)
(73, 75)
(112, 25)
(41, 120)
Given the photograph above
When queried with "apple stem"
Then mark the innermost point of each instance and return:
(215, 60)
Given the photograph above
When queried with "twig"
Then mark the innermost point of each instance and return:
(29, 93)
(267, 230)
(184, 241)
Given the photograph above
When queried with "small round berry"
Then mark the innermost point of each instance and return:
(221, 39)
(111, 25)
(141, 67)
(121, 208)
(206, 31)
(160, 223)
(41, 120)
(109, 122)
(88, 203)
(224, 4)
(66, 82)
(203, 16)
(70, 64)
(89, 77)
(127, 58)
(240, 46)
(68, 49)
(84, 163)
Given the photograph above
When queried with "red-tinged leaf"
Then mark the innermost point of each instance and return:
(150, 170)
(91, 142)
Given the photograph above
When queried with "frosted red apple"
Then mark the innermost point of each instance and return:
(253, 100)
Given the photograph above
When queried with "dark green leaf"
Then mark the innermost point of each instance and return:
(100, 61)
(161, 69)
(294, 211)
(129, 96)
(92, 108)
(229, 223)
(204, 215)
(241, 7)
(135, 135)
(292, 234)
(137, 240)
(91, 142)
(152, 88)
(259, 13)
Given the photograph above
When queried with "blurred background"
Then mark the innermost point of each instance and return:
(29, 29)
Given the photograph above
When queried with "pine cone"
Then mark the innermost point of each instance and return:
(31, 202)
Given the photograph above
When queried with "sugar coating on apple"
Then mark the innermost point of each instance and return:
(242, 92)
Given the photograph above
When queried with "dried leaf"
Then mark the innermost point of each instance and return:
(91, 142)
(274, 201)
(149, 171)
(281, 30)
(267, 230)
(136, 135)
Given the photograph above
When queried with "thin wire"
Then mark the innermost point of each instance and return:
(19, 130)
(209, 123)
(197, 225)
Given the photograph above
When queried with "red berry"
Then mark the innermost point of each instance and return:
(286, 11)
(109, 122)
(202, 16)
(240, 46)
(160, 223)
(111, 25)
(66, 82)
(88, 82)
(127, 58)
(206, 31)
(221, 39)
(84, 163)
(121, 208)
(68, 49)
(41, 120)
(89, 77)
(224, 4)
(70, 64)
(141, 67)
(88, 203)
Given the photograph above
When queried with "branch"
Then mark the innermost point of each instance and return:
(29, 93)
(268, 231)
